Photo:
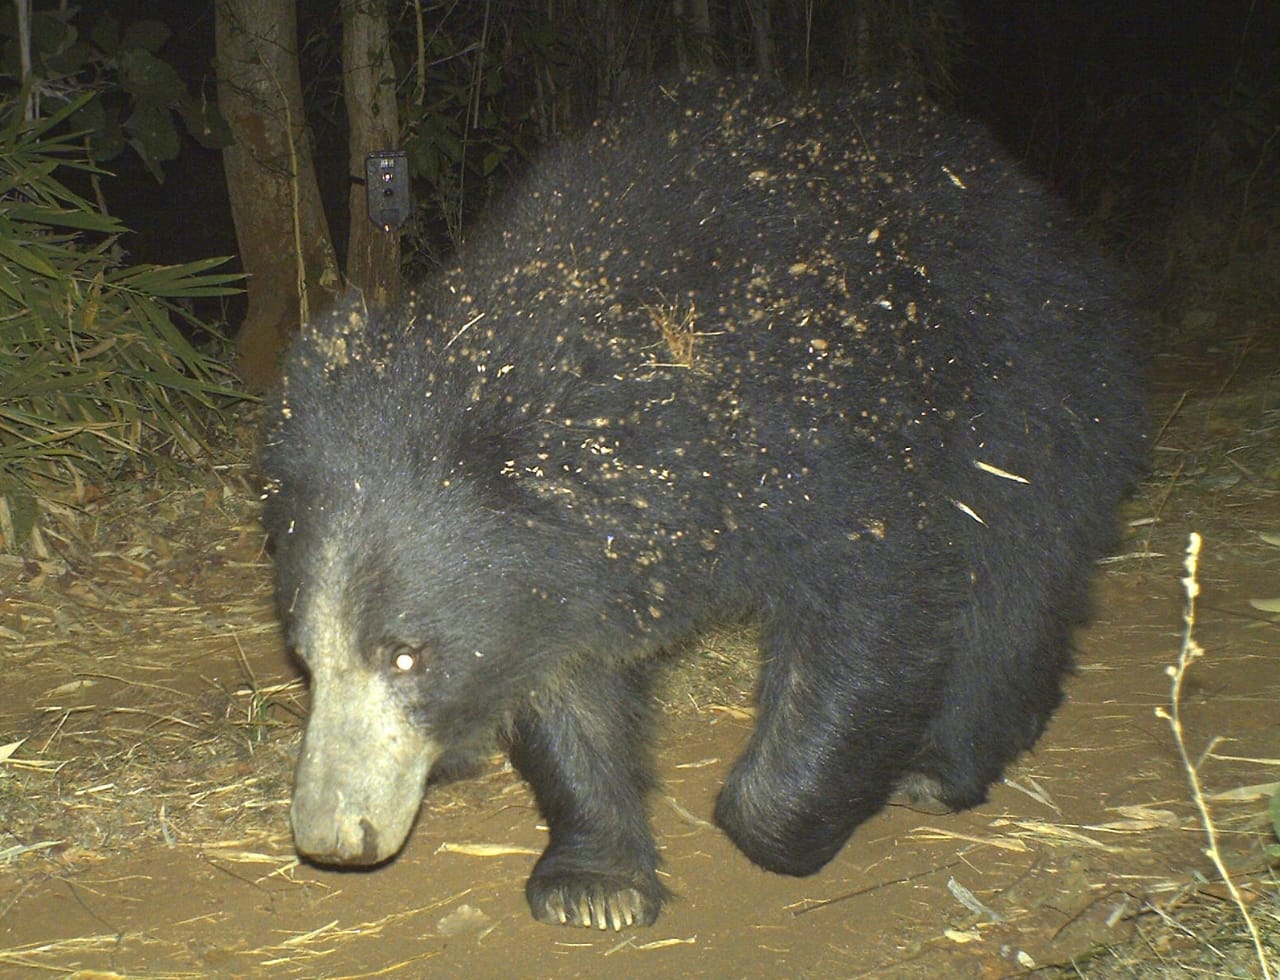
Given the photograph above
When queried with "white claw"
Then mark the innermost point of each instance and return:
(555, 905)
(596, 909)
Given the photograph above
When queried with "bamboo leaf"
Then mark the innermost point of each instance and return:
(26, 257)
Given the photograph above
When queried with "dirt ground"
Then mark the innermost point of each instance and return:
(149, 717)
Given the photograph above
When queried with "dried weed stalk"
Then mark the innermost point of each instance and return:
(679, 332)
(1189, 652)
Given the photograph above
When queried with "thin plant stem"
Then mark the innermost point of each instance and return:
(1189, 652)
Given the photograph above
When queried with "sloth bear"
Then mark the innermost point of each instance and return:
(826, 363)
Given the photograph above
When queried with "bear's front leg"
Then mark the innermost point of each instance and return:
(583, 745)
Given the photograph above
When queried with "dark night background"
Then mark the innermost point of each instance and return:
(1150, 118)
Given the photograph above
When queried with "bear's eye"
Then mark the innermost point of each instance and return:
(404, 658)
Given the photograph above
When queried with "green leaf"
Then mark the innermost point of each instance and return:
(108, 143)
(22, 513)
(206, 124)
(70, 60)
(102, 123)
(50, 34)
(28, 258)
(149, 35)
(191, 279)
(93, 370)
(66, 218)
(145, 76)
(105, 34)
(450, 146)
(154, 137)
(37, 134)
(89, 118)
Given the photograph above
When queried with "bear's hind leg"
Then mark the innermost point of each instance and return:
(584, 748)
(842, 711)
(1005, 679)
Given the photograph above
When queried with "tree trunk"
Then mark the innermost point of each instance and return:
(761, 31)
(696, 45)
(275, 202)
(369, 86)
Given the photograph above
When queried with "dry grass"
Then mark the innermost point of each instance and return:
(123, 744)
(678, 327)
